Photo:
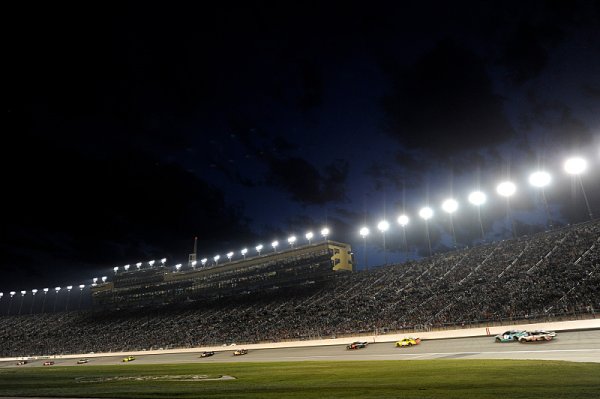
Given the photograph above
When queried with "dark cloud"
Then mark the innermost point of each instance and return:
(76, 212)
(305, 183)
(445, 104)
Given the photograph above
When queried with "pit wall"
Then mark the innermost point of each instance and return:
(460, 333)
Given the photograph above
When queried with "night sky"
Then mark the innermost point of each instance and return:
(132, 128)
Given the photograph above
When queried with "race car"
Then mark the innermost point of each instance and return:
(538, 335)
(357, 345)
(207, 354)
(240, 352)
(21, 362)
(128, 359)
(408, 342)
(510, 336)
(82, 361)
(49, 363)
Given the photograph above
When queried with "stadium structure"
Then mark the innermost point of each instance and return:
(305, 293)
(309, 264)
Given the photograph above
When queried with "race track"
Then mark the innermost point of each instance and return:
(577, 346)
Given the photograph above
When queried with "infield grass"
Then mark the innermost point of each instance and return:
(361, 379)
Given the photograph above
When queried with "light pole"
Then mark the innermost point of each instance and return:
(325, 233)
(259, 248)
(244, 252)
(44, 301)
(478, 198)
(178, 267)
(22, 299)
(383, 226)
(541, 179)
(575, 167)
(33, 292)
(274, 244)
(507, 189)
(12, 294)
(450, 206)
(203, 261)
(426, 213)
(403, 222)
(81, 287)
(364, 232)
(56, 290)
(69, 288)
(216, 259)
(230, 255)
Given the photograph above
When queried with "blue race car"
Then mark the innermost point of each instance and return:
(510, 336)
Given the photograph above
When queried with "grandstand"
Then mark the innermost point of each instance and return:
(547, 276)
(307, 264)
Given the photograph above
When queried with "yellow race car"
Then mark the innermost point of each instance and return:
(408, 342)
(128, 359)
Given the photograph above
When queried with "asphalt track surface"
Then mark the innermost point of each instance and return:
(576, 346)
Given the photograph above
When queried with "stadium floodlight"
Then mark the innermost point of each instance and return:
(34, 291)
(383, 226)
(309, 236)
(540, 179)
(94, 281)
(1, 294)
(575, 165)
(274, 244)
(325, 232)
(138, 265)
(230, 255)
(23, 293)
(203, 261)
(450, 205)
(151, 263)
(216, 259)
(178, 266)
(364, 232)
(57, 289)
(163, 260)
(291, 241)
(194, 263)
(477, 198)
(12, 293)
(116, 269)
(403, 220)
(69, 287)
(46, 290)
(81, 286)
(104, 279)
(244, 252)
(126, 267)
(426, 213)
(259, 248)
(506, 189)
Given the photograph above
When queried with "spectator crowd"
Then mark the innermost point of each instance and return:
(548, 275)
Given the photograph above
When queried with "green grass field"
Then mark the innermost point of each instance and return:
(362, 379)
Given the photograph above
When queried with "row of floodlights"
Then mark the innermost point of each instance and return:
(538, 179)
(45, 290)
(291, 241)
